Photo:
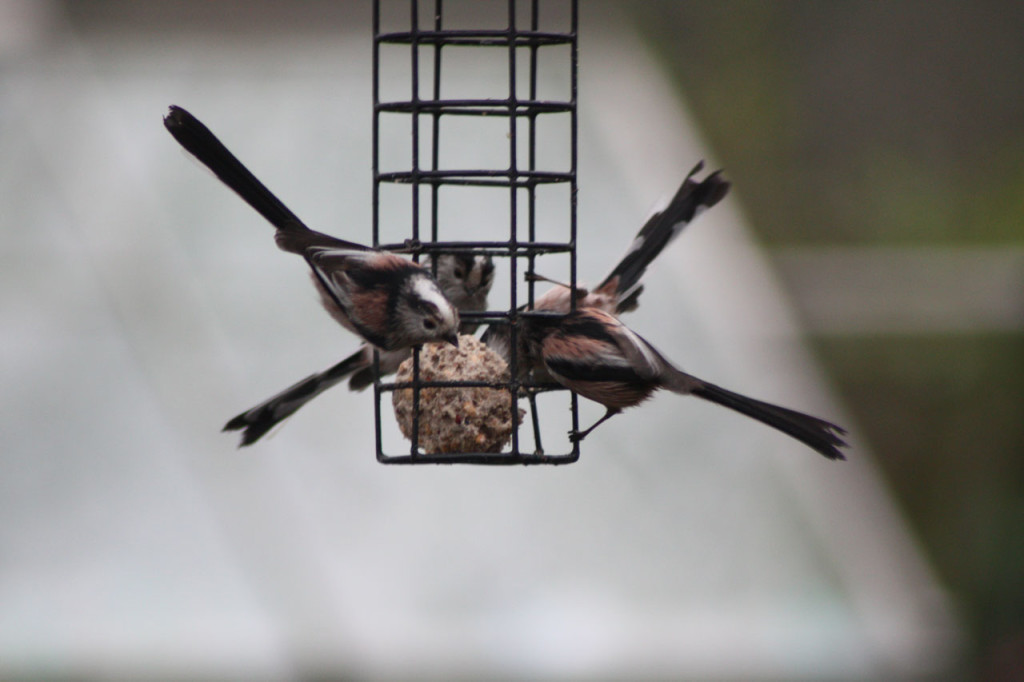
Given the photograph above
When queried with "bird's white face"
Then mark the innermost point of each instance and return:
(465, 280)
(425, 315)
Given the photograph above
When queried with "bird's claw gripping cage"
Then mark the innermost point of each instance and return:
(422, 38)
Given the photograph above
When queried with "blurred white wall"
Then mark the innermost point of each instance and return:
(143, 305)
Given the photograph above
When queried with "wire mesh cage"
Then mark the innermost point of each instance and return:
(532, 136)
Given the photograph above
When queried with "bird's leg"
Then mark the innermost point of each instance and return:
(537, 277)
(581, 292)
(577, 436)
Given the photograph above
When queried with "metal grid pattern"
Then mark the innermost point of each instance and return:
(523, 41)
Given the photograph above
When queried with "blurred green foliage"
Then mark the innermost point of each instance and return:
(890, 124)
(944, 415)
(858, 122)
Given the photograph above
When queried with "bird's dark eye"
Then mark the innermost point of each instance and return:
(429, 324)
(460, 273)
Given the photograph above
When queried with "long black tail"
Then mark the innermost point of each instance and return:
(204, 145)
(690, 201)
(817, 433)
(259, 420)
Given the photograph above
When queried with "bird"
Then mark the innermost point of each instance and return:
(620, 290)
(465, 279)
(390, 302)
(593, 354)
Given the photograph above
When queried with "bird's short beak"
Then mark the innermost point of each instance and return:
(453, 339)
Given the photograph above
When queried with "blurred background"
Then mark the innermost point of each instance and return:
(868, 266)
(879, 149)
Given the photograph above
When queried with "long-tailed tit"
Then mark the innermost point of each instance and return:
(619, 291)
(389, 301)
(593, 354)
(465, 280)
